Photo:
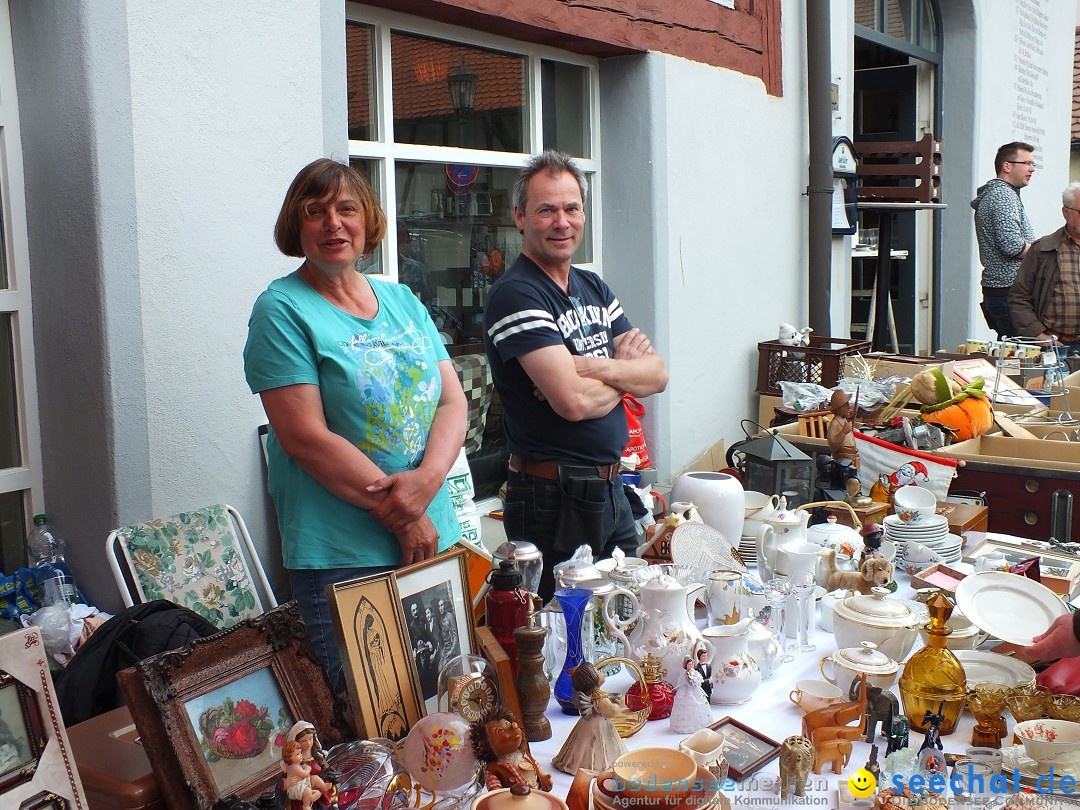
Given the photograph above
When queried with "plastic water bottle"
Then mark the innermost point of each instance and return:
(43, 545)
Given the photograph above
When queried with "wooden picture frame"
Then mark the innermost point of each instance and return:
(22, 733)
(212, 715)
(440, 585)
(379, 663)
(495, 655)
(46, 800)
(745, 749)
(38, 767)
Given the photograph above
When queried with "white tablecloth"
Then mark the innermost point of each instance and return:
(770, 712)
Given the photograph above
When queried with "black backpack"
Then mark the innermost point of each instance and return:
(87, 686)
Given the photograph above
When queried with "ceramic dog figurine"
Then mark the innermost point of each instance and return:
(874, 571)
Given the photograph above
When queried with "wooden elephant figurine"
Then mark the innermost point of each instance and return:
(837, 751)
(881, 706)
(796, 759)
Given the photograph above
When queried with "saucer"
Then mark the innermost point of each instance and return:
(1013, 757)
(699, 798)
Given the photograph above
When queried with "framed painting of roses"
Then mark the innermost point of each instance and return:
(214, 714)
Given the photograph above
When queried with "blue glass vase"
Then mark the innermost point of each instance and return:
(573, 602)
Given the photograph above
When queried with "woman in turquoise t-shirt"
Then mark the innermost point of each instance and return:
(366, 411)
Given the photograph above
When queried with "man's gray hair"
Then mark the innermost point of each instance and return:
(1068, 196)
(553, 163)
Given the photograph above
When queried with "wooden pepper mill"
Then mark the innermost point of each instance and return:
(534, 691)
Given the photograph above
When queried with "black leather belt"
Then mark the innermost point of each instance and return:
(550, 469)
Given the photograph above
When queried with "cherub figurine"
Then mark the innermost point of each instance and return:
(299, 783)
(499, 743)
(594, 743)
(690, 711)
(312, 757)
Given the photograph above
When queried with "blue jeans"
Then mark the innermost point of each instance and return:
(995, 309)
(309, 591)
(533, 510)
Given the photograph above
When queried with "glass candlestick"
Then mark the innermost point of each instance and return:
(804, 585)
(778, 595)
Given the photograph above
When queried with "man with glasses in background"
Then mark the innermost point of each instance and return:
(1045, 298)
(562, 355)
(1003, 231)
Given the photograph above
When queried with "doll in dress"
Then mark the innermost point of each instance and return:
(691, 710)
(594, 743)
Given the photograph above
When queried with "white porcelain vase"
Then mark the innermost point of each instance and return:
(719, 498)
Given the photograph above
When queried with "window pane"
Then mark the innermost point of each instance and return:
(359, 41)
(866, 14)
(12, 530)
(566, 107)
(448, 94)
(10, 455)
(898, 19)
(455, 239)
(371, 263)
(926, 35)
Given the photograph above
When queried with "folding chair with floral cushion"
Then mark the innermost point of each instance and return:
(195, 559)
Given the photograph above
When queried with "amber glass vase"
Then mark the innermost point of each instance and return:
(933, 679)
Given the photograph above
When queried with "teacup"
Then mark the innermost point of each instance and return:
(649, 777)
(911, 503)
(810, 695)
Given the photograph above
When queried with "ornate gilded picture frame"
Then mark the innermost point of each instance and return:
(213, 714)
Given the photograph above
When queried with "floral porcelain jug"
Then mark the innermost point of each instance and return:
(735, 674)
(665, 626)
(764, 648)
(778, 530)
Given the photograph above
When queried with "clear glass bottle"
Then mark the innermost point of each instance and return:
(933, 679)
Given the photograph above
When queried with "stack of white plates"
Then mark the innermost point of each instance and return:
(932, 532)
(748, 549)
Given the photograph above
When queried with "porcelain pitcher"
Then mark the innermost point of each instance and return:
(665, 625)
(778, 530)
(735, 674)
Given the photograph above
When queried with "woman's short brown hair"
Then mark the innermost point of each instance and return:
(324, 179)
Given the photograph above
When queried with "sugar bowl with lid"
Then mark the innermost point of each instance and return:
(890, 624)
(845, 665)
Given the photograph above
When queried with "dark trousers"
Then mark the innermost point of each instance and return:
(309, 591)
(995, 308)
(532, 512)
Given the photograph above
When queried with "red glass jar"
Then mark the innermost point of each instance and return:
(661, 692)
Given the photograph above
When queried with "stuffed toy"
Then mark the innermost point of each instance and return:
(965, 411)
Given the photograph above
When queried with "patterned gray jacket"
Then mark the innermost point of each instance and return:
(1003, 229)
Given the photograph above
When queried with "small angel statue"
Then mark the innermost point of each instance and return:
(594, 743)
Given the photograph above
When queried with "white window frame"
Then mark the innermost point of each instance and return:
(386, 153)
(15, 300)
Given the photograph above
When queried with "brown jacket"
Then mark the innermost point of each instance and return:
(1035, 283)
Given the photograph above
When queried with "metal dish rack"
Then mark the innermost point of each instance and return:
(1037, 362)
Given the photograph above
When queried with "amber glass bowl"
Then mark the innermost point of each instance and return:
(1064, 707)
(1028, 702)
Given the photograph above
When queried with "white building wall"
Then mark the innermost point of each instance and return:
(1008, 76)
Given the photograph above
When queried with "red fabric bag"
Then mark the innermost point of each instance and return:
(636, 442)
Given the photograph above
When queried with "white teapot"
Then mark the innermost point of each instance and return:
(664, 614)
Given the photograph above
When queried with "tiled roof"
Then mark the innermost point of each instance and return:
(420, 67)
(1076, 88)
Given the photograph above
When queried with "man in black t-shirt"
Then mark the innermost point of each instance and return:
(562, 355)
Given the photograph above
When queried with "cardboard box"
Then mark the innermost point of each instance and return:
(905, 365)
(1048, 426)
(711, 460)
(1029, 453)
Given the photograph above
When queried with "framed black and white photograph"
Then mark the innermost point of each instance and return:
(745, 749)
(22, 734)
(437, 608)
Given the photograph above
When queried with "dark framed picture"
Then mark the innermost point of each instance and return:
(45, 801)
(745, 749)
(377, 656)
(37, 768)
(22, 733)
(437, 610)
(214, 714)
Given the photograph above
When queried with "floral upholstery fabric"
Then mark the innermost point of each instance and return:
(193, 559)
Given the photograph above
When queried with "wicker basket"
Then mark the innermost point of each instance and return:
(208, 722)
(630, 722)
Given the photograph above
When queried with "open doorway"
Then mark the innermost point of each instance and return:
(897, 61)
